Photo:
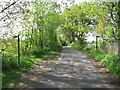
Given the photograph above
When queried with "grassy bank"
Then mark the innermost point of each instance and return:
(111, 61)
(11, 70)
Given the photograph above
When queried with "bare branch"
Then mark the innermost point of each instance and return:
(8, 6)
(3, 17)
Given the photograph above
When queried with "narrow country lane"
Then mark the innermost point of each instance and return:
(72, 70)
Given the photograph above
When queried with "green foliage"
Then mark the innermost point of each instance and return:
(11, 70)
(47, 20)
(89, 17)
(39, 52)
(75, 24)
(9, 61)
(113, 63)
(77, 45)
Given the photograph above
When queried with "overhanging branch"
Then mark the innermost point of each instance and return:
(8, 6)
(3, 17)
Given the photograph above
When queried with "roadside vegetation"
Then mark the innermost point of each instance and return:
(44, 28)
(110, 60)
(11, 69)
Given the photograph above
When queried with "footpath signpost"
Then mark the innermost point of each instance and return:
(18, 48)
(97, 42)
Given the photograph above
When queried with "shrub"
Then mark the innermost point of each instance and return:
(113, 63)
(9, 61)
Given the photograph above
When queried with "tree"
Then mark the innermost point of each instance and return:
(45, 20)
(76, 24)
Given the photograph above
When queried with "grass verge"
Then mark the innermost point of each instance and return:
(111, 61)
(10, 73)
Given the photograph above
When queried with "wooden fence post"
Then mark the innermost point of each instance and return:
(18, 50)
(97, 42)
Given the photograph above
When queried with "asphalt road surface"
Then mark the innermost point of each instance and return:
(72, 70)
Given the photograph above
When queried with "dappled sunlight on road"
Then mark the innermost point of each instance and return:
(72, 70)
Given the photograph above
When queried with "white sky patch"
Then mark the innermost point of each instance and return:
(80, 1)
(90, 37)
